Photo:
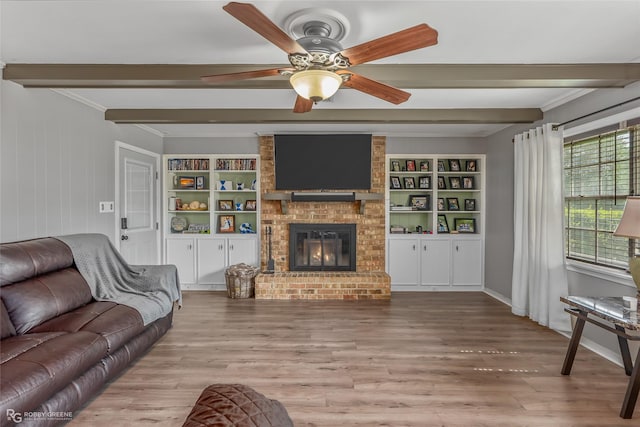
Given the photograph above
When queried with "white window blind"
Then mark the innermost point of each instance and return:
(600, 171)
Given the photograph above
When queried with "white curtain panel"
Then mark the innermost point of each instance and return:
(539, 268)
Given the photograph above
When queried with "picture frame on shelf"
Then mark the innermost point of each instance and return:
(411, 165)
(395, 165)
(471, 166)
(441, 166)
(443, 225)
(409, 182)
(225, 205)
(227, 224)
(186, 182)
(441, 204)
(469, 204)
(395, 183)
(455, 183)
(465, 225)
(454, 165)
(468, 183)
(452, 204)
(200, 182)
(250, 205)
(441, 183)
(424, 166)
(424, 182)
(420, 201)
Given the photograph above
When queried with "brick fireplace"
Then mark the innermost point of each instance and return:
(368, 281)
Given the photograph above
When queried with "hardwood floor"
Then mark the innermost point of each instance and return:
(421, 359)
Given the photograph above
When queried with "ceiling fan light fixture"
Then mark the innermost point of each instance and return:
(315, 85)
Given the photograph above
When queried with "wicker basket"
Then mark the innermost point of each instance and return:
(240, 279)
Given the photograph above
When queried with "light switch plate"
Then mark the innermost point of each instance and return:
(106, 207)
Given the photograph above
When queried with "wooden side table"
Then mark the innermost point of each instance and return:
(609, 309)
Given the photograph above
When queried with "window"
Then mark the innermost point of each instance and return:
(600, 171)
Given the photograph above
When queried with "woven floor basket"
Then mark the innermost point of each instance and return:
(240, 280)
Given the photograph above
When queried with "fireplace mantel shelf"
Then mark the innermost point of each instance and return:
(304, 196)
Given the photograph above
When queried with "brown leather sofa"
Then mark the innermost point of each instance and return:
(59, 346)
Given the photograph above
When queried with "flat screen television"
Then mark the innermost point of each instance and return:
(323, 162)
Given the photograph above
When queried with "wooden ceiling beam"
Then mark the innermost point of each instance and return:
(396, 116)
(408, 76)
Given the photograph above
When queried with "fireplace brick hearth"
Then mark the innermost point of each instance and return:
(369, 281)
(323, 285)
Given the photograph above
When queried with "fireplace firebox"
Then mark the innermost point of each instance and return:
(322, 247)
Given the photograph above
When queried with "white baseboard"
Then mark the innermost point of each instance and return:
(600, 350)
(499, 297)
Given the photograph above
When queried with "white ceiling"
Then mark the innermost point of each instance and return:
(200, 32)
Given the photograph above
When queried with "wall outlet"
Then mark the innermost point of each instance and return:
(106, 207)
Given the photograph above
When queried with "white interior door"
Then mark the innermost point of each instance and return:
(138, 208)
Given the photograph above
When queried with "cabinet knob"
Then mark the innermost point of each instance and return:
(456, 248)
(425, 248)
(231, 247)
(414, 247)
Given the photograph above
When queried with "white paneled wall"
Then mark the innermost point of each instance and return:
(57, 163)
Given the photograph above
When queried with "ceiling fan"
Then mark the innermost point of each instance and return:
(319, 64)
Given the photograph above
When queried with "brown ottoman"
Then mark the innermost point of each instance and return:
(236, 405)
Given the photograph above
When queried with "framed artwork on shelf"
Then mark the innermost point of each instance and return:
(443, 225)
(471, 166)
(419, 201)
(411, 165)
(441, 204)
(409, 182)
(250, 205)
(186, 182)
(227, 223)
(469, 204)
(454, 165)
(454, 182)
(452, 204)
(395, 165)
(424, 182)
(467, 182)
(424, 166)
(441, 166)
(225, 205)
(465, 225)
(441, 183)
(395, 183)
(200, 182)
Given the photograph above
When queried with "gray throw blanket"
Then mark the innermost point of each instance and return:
(150, 289)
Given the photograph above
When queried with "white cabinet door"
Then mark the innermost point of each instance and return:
(435, 257)
(211, 260)
(404, 268)
(243, 250)
(181, 253)
(467, 262)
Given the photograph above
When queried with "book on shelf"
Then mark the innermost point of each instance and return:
(236, 164)
(188, 164)
(403, 208)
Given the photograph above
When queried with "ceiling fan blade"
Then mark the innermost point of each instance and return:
(250, 16)
(412, 38)
(377, 89)
(303, 105)
(244, 75)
